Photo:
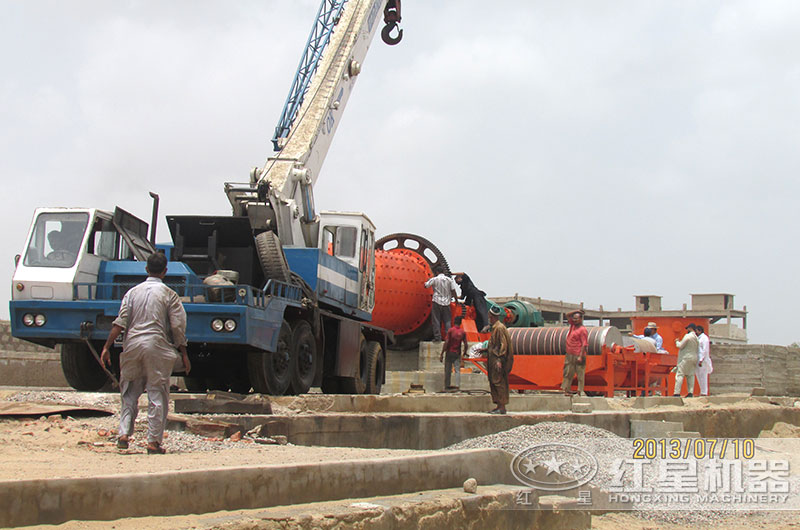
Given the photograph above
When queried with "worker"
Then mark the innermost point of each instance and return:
(454, 347)
(704, 366)
(577, 349)
(150, 315)
(499, 360)
(646, 335)
(687, 362)
(476, 298)
(656, 337)
(444, 290)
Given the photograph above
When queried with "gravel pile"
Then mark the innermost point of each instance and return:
(519, 438)
(610, 450)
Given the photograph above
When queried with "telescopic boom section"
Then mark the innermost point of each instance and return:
(330, 64)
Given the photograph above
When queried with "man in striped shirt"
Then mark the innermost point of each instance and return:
(444, 290)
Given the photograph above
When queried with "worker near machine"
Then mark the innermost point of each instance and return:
(656, 337)
(704, 366)
(476, 298)
(444, 290)
(687, 361)
(577, 349)
(455, 346)
(646, 335)
(154, 322)
(499, 360)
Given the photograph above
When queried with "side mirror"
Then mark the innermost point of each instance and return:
(16, 260)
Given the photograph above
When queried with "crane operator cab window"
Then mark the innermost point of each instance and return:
(340, 241)
(56, 240)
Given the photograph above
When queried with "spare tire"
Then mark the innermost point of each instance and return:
(270, 254)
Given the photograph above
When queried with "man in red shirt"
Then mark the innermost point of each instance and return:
(452, 347)
(577, 348)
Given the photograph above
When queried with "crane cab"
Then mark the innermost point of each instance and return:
(66, 246)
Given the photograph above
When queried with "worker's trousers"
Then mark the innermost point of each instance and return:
(157, 409)
(702, 379)
(571, 367)
(451, 361)
(440, 314)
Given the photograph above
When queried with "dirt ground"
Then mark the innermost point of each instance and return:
(83, 447)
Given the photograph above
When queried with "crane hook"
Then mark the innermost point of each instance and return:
(386, 34)
(391, 16)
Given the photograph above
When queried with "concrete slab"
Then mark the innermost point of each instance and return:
(648, 402)
(28, 502)
(682, 434)
(654, 428)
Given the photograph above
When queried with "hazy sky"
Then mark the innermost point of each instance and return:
(573, 150)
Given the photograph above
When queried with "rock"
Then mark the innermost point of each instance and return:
(235, 437)
(102, 432)
(281, 439)
(470, 485)
(54, 418)
(266, 441)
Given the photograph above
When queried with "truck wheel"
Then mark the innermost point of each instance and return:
(270, 254)
(81, 369)
(358, 384)
(374, 367)
(270, 372)
(303, 359)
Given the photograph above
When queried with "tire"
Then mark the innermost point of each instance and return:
(375, 363)
(270, 254)
(195, 384)
(270, 372)
(304, 358)
(358, 383)
(81, 369)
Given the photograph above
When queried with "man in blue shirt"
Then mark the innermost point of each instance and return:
(655, 336)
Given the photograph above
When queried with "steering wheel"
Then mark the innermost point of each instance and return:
(62, 256)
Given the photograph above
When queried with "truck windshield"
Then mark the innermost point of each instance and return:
(56, 240)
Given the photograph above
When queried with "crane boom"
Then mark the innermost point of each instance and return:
(280, 194)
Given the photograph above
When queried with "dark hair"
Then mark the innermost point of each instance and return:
(648, 332)
(156, 263)
(692, 327)
(701, 329)
(457, 321)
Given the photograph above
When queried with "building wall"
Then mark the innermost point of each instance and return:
(23, 363)
(742, 367)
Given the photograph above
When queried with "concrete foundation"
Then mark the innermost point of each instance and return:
(28, 502)
(437, 430)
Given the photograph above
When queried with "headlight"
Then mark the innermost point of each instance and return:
(230, 325)
(217, 324)
(28, 319)
(40, 320)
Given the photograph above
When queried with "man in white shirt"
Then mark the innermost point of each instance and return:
(154, 323)
(444, 290)
(704, 366)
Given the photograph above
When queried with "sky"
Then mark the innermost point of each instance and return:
(574, 150)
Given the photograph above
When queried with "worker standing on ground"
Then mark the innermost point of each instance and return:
(577, 349)
(454, 347)
(687, 361)
(154, 322)
(704, 366)
(499, 360)
(444, 290)
(476, 298)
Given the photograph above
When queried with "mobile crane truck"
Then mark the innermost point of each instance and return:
(279, 297)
